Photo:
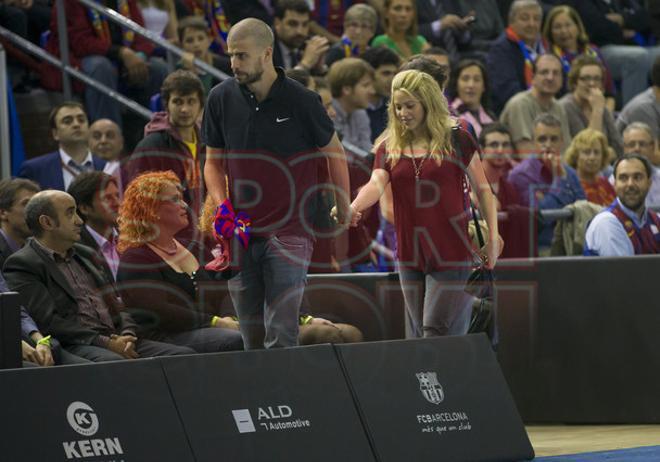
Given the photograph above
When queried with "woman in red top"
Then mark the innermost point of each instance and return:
(589, 154)
(427, 173)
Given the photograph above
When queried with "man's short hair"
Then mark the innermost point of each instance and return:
(655, 72)
(546, 119)
(252, 28)
(643, 126)
(302, 76)
(86, 185)
(538, 58)
(194, 23)
(380, 56)
(361, 12)
(52, 117)
(647, 163)
(576, 67)
(40, 204)
(299, 6)
(10, 187)
(428, 65)
(518, 5)
(496, 127)
(182, 82)
(436, 51)
(347, 72)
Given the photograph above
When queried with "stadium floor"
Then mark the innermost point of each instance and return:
(551, 440)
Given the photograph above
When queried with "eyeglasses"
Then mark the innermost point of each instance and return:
(642, 144)
(590, 78)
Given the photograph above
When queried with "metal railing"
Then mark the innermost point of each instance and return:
(67, 70)
(33, 49)
(5, 143)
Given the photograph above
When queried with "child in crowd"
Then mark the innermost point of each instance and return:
(195, 40)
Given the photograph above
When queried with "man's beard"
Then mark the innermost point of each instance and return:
(248, 78)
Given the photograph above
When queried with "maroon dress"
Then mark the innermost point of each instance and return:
(431, 213)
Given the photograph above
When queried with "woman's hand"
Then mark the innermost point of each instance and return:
(491, 251)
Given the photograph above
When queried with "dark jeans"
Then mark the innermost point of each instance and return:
(207, 339)
(100, 106)
(145, 348)
(268, 290)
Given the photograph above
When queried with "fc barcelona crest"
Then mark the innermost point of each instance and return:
(430, 387)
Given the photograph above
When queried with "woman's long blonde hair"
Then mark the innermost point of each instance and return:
(437, 121)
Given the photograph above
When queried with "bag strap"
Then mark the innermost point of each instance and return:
(459, 150)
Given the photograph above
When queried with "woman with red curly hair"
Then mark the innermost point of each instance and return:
(163, 276)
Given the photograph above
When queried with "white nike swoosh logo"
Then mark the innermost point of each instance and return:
(278, 120)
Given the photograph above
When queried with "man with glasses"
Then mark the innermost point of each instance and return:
(517, 225)
(638, 139)
(359, 28)
(521, 110)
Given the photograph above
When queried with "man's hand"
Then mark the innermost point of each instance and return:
(123, 345)
(451, 21)
(137, 69)
(322, 322)
(45, 355)
(616, 18)
(348, 217)
(29, 353)
(315, 50)
(227, 323)
(187, 61)
(553, 162)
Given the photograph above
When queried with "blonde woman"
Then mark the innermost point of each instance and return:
(589, 154)
(426, 158)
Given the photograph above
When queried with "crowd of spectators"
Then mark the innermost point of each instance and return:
(563, 98)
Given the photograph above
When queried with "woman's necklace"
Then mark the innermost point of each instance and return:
(166, 251)
(418, 169)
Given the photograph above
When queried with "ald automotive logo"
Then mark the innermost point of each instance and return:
(270, 418)
(83, 420)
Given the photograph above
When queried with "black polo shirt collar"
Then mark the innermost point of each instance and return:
(276, 90)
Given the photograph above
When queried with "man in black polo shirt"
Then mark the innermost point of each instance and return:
(269, 136)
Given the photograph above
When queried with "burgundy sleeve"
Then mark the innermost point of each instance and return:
(381, 158)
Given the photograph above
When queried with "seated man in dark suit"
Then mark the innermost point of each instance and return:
(66, 294)
(293, 47)
(97, 197)
(14, 194)
(70, 128)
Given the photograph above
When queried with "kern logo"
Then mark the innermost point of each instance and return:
(82, 418)
(430, 387)
(243, 420)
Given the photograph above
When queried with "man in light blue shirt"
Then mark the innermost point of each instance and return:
(626, 227)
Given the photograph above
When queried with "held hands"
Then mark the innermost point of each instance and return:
(40, 355)
(123, 345)
(351, 217)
